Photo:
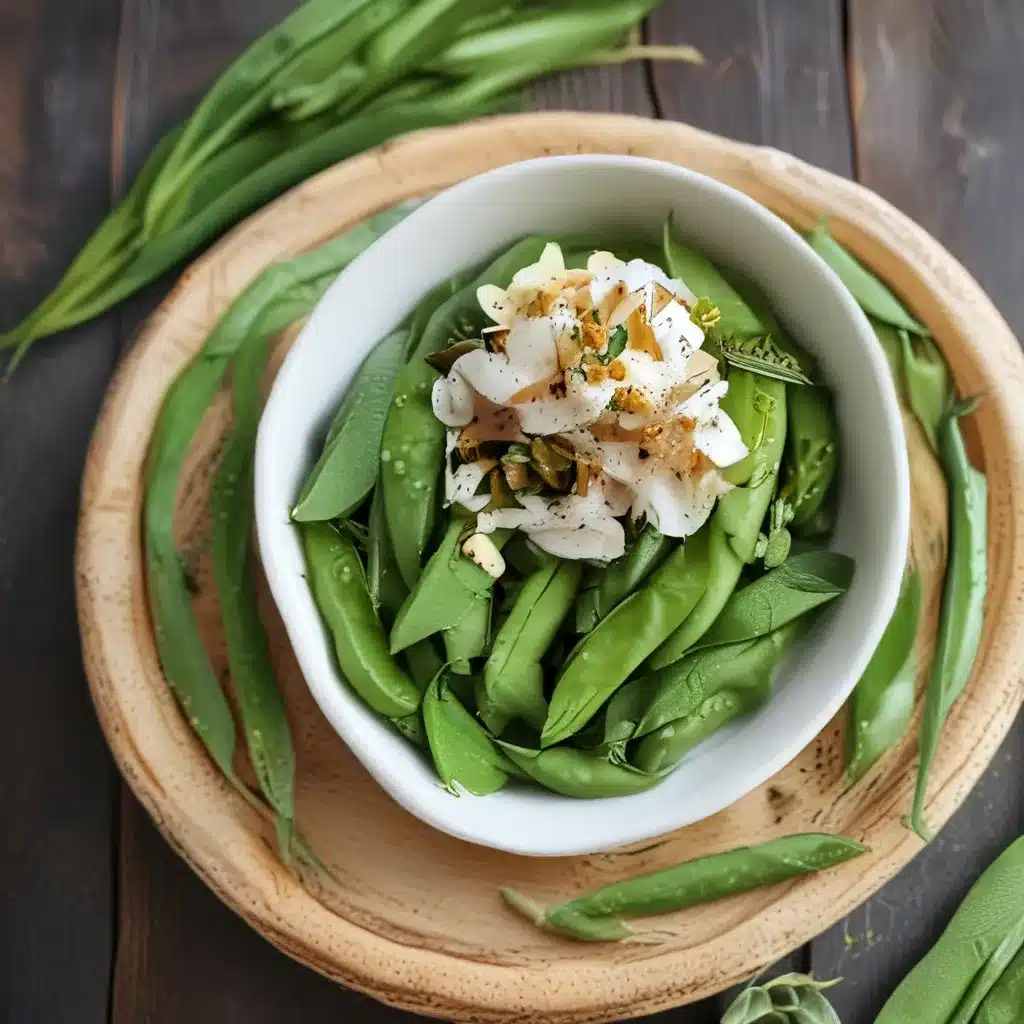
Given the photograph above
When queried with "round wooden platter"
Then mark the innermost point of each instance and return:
(413, 916)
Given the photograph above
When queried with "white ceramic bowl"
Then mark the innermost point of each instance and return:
(463, 227)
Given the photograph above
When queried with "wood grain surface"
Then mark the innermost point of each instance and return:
(936, 130)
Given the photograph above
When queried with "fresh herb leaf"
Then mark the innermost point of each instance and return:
(763, 356)
(616, 344)
(444, 360)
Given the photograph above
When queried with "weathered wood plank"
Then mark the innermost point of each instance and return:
(775, 74)
(56, 778)
(937, 116)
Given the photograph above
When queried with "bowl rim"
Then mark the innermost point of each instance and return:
(331, 694)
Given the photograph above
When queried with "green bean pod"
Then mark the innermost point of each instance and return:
(811, 451)
(347, 469)
(606, 657)
(883, 699)
(994, 907)
(339, 587)
(731, 680)
(578, 774)
(736, 521)
(264, 718)
(607, 587)
(595, 916)
(926, 378)
(963, 601)
(463, 753)
(509, 678)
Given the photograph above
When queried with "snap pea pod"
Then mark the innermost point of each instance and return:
(264, 719)
(607, 587)
(734, 680)
(803, 582)
(606, 657)
(266, 306)
(467, 639)
(703, 278)
(576, 773)
(522, 688)
(872, 296)
(347, 468)
(994, 907)
(443, 595)
(384, 581)
(510, 682)
(736, 521)
(463, 753)
(1004, 1003)
(423, 662)
(428, 306)
(811, 452)
(883, 699)
(412, 448)
(692, 882)
(926, 378)
(961, 618)
(339, 587)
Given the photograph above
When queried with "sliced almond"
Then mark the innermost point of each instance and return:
(660, 298)
(582, 479)
(602, 260)
(570, 348)
(625, 309)
(497, 304)
(641, 336)
(578, 278)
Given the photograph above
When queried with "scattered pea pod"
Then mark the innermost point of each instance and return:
(601, 662)
(963, 602)
(991, 911)
(1004, 1003)
(883, 699)
(269, 304)
(339, 586)
(594, 916)
(264, 718)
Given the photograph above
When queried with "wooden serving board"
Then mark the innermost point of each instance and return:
(413, 916)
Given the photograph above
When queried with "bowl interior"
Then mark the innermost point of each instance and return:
(616, 196)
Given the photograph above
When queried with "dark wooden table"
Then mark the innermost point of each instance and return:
(99, 920)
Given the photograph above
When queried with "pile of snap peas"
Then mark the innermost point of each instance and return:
(336, 77)
(589, 680)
